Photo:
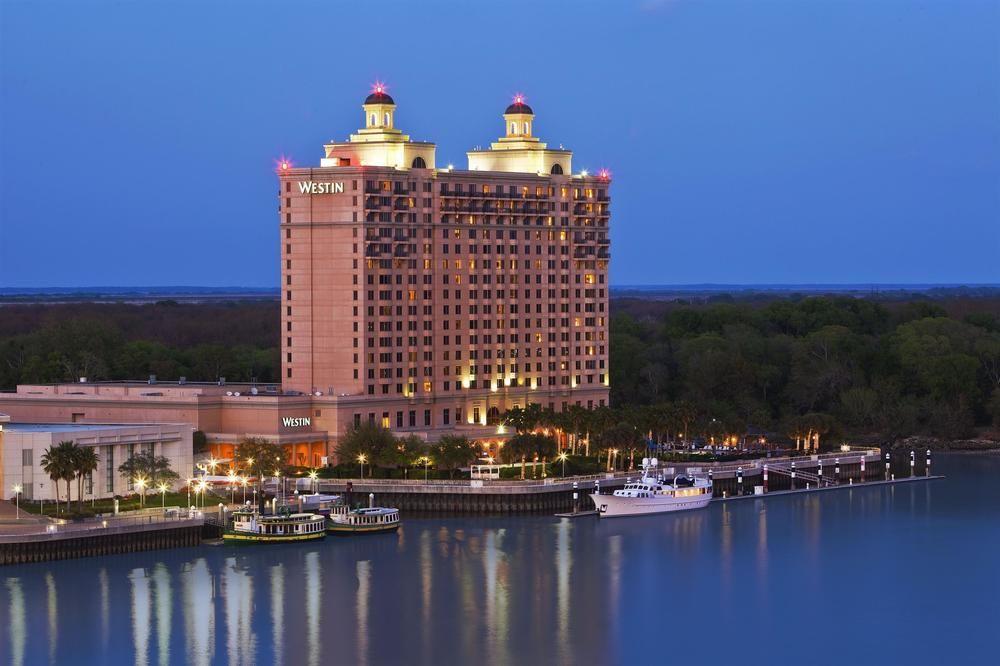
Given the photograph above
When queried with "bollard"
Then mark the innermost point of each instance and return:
(927, 468)
(836, 471)
(793, 475)
(576, 497)
(819, 482)
(913, 462)
(739, 481)
(887, 459)
(765, 478)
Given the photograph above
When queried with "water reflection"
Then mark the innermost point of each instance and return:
(238, 598)
(363, 572)
(18, 626)
(528, 589)
(140, 615)
(164, 606)
(278, 612)
(199, 618)
(314, 591)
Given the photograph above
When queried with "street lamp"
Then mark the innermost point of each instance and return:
(140, 483)
(163, 496)
(562, 457)
(190, 482)
(244, 480)
(212, 464)
(362, 459)
(427, 461)
(17, 500)
(312, 476)
(202, 486)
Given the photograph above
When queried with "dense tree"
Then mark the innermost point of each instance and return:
(259, 458)
(452, 452)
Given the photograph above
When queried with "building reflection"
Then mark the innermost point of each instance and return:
(363, 572)
(278, 612)
(18, 626)
(238, 594)
(199, 615)
(105, 592)
(141, 603)
(314, 592)
(564, 562)
(164, 607)
(495, 593)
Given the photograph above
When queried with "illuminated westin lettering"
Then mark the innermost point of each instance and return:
(311, 187)
(296, 421)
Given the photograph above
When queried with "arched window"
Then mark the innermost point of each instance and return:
(527, 129)
(387, 122)
(557, 169)
(513, 128)
(492, 416)
(418, 163)
(371, 122)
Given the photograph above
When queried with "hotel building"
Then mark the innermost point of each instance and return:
(426, 299)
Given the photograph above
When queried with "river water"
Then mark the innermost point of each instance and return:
(861, 575)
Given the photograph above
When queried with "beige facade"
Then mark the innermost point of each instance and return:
(22, 446)
(424, 298)
(428, 300)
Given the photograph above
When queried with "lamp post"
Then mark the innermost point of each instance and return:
(17, 500)
(140, 483)
(163, 496)
(427, 461)
(244, 481)
(362, 459)
(202, 486)
(190, 481)
(562, 457)
(312, 477)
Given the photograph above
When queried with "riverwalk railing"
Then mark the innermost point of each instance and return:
(63, 529)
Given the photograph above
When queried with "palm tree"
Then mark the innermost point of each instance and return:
(84, 463)
(57, 461)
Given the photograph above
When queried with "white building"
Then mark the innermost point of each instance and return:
(22, 446)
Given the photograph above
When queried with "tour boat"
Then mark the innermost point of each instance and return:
(363, 521)
(653, 494)
(251, 527)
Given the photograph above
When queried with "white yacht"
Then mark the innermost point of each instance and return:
(653, 494)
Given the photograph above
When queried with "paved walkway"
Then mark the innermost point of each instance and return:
(11, 524)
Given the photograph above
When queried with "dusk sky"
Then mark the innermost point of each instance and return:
(749, 142)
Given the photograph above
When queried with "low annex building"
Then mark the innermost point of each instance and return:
(22, 446)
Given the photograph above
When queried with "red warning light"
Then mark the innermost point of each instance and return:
(604, 174)
(518, 98)
(283, 164)
(379, 88)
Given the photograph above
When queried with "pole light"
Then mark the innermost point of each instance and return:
(562, 457)
(163, 496)
(17, 500)
(313, 475)
(362, 459)
(140, 483)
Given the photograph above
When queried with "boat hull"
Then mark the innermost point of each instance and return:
(611, 506)
(237, 538)
(347, 530)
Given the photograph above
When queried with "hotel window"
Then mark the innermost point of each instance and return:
(109, 469)
(427, 417)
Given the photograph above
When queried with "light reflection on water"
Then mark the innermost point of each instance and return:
(546, 590)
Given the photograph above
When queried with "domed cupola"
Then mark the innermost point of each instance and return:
(518, 150)
(518, 118)
(379, 108)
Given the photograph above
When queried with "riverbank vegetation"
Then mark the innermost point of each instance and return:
(717, 368)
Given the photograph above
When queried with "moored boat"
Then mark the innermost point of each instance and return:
(654, 494)
(251, 527)
(363, 521)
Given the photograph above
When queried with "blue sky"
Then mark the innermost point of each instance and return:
(750, 142)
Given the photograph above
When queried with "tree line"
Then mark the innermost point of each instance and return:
(812, 365)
